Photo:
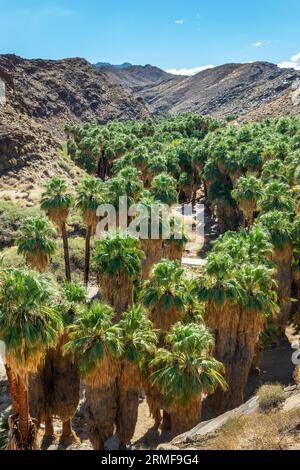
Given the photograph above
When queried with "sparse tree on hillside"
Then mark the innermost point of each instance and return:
(56, 202)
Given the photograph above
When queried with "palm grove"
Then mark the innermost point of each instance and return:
(181, 338)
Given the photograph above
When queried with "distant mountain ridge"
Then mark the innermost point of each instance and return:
(255, 89)
(137, 78)
(125, 65)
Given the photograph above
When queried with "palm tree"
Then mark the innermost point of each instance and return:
(280, 230)
(56, 202)
(139, 340)
(277, 196)
(163, 189)
(35, 242)
(164, 295)
(88, 198)
(152, 244)
(246, 194)
(97, 343)
(184, 373)
(29, 325)
(165, 298)
(175, 245)
(238, 297)
(118, 262)
(220, 198)
(55, 389)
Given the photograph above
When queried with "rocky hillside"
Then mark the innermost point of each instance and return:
(258, 89)
(141, 79)
(42, 95)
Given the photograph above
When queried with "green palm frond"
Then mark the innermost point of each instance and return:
(186, 370)
(56, 195)
(166, 286)
(29, 320)
(118, 252)
(35, 237)
(94, 335)
(139, 338)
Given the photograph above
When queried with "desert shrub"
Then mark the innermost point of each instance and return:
(12, 217)
(57, 265)
(270, 396)
(11, 258)
(257, 431)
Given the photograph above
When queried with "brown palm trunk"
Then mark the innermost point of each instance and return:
(13, 387)
(23, 411)
(66, 252)
(184, 418)
(87, 254)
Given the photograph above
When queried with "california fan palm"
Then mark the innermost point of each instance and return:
(56, 202)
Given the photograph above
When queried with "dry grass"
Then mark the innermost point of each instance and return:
(258, 431)
(270, 396)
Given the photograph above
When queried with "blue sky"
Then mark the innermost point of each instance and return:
(173, 34)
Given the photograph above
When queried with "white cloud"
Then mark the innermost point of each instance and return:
(296, 57)
(293, 63)
(289, 65)
(263, 43)
(179, 21)
(191, 71)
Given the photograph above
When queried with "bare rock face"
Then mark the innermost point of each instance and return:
(38, 97)
(139, 78)
(254, 90)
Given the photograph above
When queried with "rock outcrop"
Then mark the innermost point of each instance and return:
(42, 95)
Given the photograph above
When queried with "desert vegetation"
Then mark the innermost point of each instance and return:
(184, 338)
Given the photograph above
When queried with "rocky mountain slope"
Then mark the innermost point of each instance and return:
(42, 95)
(231, 89)
(140, 79)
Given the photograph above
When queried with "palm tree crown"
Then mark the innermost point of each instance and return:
(35, 242)
(186, 370)
(29, 321)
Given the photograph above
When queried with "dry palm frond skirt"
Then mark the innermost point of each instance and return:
(38, 261)
(117, 291)
(154, 400)
(173, 250)
(183, 418)
(153, 250)
(58, 216)
(102, 401)
(129, 385)
(163, 319)
(91, 219)
(236, 334)
(283, 278)
(55, 389)
(248, 208)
